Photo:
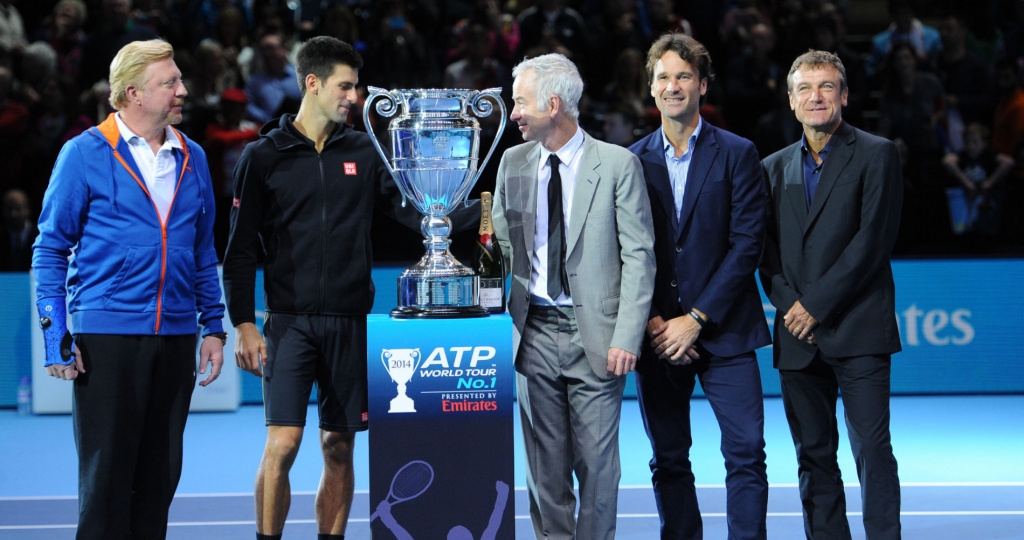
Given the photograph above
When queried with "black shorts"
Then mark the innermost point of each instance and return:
(329, 350)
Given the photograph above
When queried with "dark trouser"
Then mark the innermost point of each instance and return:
(809, 396)
(733, 389)
(130, 408)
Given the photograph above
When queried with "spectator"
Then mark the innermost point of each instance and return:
(1008, 138)
(911, 106)
(979, 172)
(12, 29)
(750, 82)
(663, 19)
(63, 32)
(828, 33)
(476, 70)
(14, 122)
(19, 232)
(210, 76)
(968, 81)
(620, 125)
(116, 29)
(554, 26)
(502, 29)
(905, 28)
(225, 138)
(272, 90)
(409, 62)
(628, 87)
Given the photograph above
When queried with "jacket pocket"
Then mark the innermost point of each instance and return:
(134, 286)
(610, 305)
(179, 280)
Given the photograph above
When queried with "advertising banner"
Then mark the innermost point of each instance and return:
(441, 439)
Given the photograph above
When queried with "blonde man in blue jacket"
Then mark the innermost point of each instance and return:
(126, 246)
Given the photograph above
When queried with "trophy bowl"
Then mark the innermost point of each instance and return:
(434, 147)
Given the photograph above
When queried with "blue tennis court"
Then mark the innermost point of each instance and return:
(960, 461)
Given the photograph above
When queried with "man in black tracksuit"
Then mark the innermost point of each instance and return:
(304, 194)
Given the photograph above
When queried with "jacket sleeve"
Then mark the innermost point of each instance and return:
(240, 258)
(777, 288)
(636, 241)
(60, 222)
(207, 286)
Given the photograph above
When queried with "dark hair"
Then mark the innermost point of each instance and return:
(689, 49)
(321, 55)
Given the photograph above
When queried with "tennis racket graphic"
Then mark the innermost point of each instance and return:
(409, 482)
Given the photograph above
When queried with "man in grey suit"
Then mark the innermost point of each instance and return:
(835, 199)
(573, 217)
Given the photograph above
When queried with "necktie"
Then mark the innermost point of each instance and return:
(557, 278)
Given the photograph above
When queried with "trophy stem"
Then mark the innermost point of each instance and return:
(438, 286)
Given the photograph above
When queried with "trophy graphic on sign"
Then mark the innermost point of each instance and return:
(435, 142)
(401, 364)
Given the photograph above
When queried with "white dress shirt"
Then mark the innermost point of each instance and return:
(569, 155)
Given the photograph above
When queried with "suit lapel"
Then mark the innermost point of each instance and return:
(657, 176)
(793, 189)
(705, 152)
(583, 192)
(526, 194)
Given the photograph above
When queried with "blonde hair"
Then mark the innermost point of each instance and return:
(130, 64)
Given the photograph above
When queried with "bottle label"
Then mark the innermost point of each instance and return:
(490, 293)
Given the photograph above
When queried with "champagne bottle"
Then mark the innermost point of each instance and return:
(488, 261)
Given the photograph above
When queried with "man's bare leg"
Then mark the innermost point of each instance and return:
(337, 483)
(273, 488)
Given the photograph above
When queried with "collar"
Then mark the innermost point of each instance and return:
(568, 150)
(670, 150)
(170, 138)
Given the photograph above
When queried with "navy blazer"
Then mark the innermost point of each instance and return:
(707, 257)
(834, 256)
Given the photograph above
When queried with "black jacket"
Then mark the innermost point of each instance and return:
(310, 213)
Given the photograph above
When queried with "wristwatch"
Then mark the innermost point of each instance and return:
(222, 336)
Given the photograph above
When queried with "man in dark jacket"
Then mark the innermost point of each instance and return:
(304, 195)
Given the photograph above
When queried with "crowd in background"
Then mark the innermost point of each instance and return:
(941, 79)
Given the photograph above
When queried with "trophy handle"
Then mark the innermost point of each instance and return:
(482, 109)
(386, 108)
(384, 355)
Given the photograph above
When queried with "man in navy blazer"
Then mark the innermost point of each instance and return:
(708, 203)
(834, 212)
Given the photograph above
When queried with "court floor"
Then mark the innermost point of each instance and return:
(961, 462)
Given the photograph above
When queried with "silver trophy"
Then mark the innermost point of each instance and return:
(434, 147)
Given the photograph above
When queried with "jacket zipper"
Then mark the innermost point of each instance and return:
(323, 235)
(163, 230)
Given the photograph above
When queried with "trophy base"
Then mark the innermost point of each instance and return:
(438, 293)
(438, 312)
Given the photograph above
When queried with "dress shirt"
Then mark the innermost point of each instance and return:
(812, 170)
(159, 171)
(679, 168)
(569, 154)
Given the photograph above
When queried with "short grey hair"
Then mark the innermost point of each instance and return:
(554, 74)
(813, 59)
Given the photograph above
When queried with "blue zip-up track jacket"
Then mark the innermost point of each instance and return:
(102, 244)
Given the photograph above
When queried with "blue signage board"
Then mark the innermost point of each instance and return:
(441, 428)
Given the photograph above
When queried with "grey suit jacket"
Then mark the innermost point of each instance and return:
(609, 244)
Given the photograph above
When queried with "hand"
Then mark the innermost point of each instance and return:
(211, 352)
(620, 362)
(71, 371)
(799, 322)
(250, 349)
(673, 341)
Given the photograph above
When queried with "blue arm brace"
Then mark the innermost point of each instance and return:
(57, 341)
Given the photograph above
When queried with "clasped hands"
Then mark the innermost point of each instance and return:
(673, 340)
(800, 323)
